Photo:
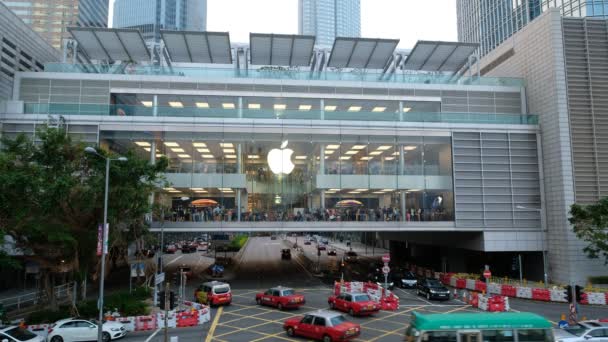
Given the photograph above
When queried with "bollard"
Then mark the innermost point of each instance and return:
(562, 317)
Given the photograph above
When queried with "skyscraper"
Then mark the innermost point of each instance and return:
(50, 18)
(150, 16)
(490, 22)
(328, 19)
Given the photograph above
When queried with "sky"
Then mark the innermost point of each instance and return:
(407, 20)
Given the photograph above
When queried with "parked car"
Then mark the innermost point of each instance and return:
(583, 331)
(331, 252)
(307, 242)
(322, 325)
(408, 280)
(432, 289)
(356, 304)
(286, 254)
(322, 247)
(18, 334)
(68, 330)
(217, 293)
(281, 298)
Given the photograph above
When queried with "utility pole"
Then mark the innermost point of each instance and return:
(167, 295)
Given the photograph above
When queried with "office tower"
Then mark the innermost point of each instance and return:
(328, 19)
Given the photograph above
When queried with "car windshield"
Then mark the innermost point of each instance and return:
(337, 320)
(361, 298)
(434, 283)
(351, 254)
(20, 334)
(221, 289)
(288, 292)
(409, 275)
(576, 330)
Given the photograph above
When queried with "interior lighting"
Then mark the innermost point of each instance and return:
(280, 106)
(366, 158)
(387, 189)
(354, 192)
(332, 147)
(146, 103)
(334, 189)
(183, 155)
(147, 149)
(354, 108)
(410, 147)
(378, 192)
(168, 189)
(226, 145)
(207, 156)
(199, 144)
(389, 158)
(254, 106)
(330, 108)
(395, 153)
(351, 152)
(345, 158)
(305, 107)
(142, 143)
(178, 150)
(379, 109)
(301, 157)
(171, 144)
(375, 153)
(253, 156)
(358, 147)
(197, 189)
(230, 156)
(203, 150)
(384, 148)
(228, 150)
(176, 104)
(202, 105)
(406, 109)
(158, 155)
(228, 105)
(329, 151)
(361, 190)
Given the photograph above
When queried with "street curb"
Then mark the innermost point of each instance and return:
(239, 255)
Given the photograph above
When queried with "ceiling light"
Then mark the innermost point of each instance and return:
(305, 107)
(142, 143)
(389, 158)
(410, 148)
(183, 155)
(378, 192)
(345, 158)
(330, 152)
(228, 105)
(358, 147)
(332, 147)
(375, 153)
(254, 106)
(280, 106)
(330, 192)
(253, 156)
(334, 189)
(203, 150)
(387, 189)
(207, 156)
(224, 145)
(330, 108)
(199, 144)
(384, 148)
(228, 150)
(354, 192)
(354, 108)
(202, 105)
(230, 156)
(351, 152)
(395, 153)
(366, 158)
(379, 109)
(360, 189)
(179, 150)
(414, 190)
(176, 104)
(158, 155)
(175, 191)
(300, 157)
(171, 144)
(406, 109)
(197, 189)
(168, 189)
(326, 157)
(146, 103)
(147, 149)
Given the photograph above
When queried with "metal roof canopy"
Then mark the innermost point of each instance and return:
(366, 53)
(197, 46)
(281, 49)
(439, 56)
(111, 44)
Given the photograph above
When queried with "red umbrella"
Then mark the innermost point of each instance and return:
(204, 202)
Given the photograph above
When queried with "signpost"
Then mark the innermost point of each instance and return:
(386, 258)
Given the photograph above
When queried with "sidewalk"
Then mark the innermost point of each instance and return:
(358, 248)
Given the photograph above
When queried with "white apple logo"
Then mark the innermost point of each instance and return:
(279, 160)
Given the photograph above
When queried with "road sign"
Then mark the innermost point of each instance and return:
(386, 258)
(487, 274)
(159, 278)
(386, 269)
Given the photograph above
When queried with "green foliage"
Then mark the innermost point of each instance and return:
(201, 297)
(238, 242)
(590, 224)
(599, 280)
(48, 316)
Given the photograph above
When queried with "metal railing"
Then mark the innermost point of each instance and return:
(63, 293)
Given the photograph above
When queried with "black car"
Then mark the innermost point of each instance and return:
(432, 289)
(408, 280)
(331, 252)
(286, 254)
(188, 249)
(378, 278)
(307, 242)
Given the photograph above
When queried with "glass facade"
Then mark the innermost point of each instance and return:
(490, 22)
(328, 19)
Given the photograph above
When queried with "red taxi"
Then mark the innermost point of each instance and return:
(281, 297)
(356, 304)
(322, 325)
(218, 293)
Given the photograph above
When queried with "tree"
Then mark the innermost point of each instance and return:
(591, 225)
(51, 202)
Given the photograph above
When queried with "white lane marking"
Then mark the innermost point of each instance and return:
(152, 336)
(416, 297)
(174, 260)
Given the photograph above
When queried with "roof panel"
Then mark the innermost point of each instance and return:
(281, 49)
(219, 46)
(198, 47)
(176, 45)
(361, 52)
(439, 56)
(111, 44)
(135, 44)
(89, 43)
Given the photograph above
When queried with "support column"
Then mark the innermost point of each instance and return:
(240, 108)
(322, 109)
(400, 111)
(152, 162)
(155, 105)
(322, 160)
(401, 161)
(239, 168)
(322, 199)
(403, 198)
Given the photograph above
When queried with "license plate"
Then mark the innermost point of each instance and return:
(370, 307)
(351, 332)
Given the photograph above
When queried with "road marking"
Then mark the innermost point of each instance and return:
(174, 260)
(415, 297)
(153, 334)
(464, 307)
(218, 313)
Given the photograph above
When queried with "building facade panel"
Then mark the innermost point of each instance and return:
(328, 19)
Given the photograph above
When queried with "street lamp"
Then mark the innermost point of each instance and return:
(542, 219)
(92, 150)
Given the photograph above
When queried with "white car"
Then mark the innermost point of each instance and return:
(592, 331)
(68, 330)
(17, 334)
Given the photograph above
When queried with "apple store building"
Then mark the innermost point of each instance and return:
(277, 135)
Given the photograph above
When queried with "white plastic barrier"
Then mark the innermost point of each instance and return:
(483, 303)
(356, 286)
(523, 292)
(507, 306)
(171, 320)
(194, 305)
(375, 294)
(204, 315)
(494, 288)
(41, 330)
(471, 284)
(453, 281)
(598, 298)
(558, 295)
(128, 322)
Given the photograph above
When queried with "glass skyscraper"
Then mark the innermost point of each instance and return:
(150, 16)
(328, 19)
(490, 22)
(50, 18)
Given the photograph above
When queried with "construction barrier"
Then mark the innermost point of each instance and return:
(558, 295)
(145, 323)
(598, 298)
(461, 283)
(494, 288)
(480, 286)
(474, 299)
(128, 322)
(171, 320)
(41, 330)
(492, 304)
(508, 290)
(187, 319)
(386, 299)
(523, 292)
(204, 315)
(541, 294)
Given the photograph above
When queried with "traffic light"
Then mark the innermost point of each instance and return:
(569, 294)
(578, 290)
(161, 300)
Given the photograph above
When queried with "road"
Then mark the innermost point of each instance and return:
(261, 267)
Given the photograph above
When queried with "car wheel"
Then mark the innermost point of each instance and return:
(57, 339)
(326, 338)
(259, 301)
(280, 306)
(291, 332)
(105, 337)
(351, 312)
(428, 296)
